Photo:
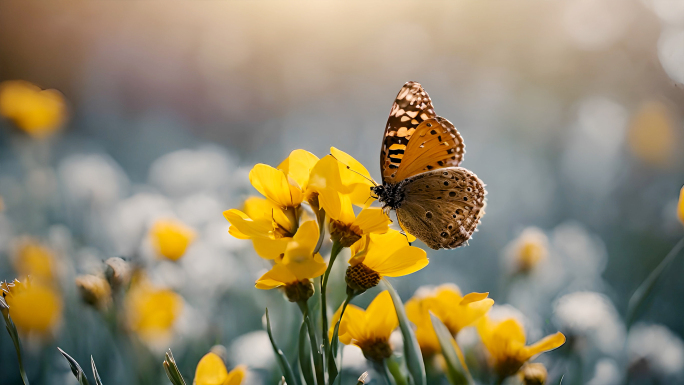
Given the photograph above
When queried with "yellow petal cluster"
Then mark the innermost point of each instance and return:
(680, 206)
(506, 343)
(151, 311)
(453, 309)
(31, 258)
(35, 307)
(528, 250)
(368, 329)
(37, 112)
(171, 238)
(212, 371)
(382, 255)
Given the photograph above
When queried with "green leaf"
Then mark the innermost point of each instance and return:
(639, 297)
(171, 369)
(98, 380)
(285, 368)
(414, 359)
(456, 372)
(305, 364)
(75, 368)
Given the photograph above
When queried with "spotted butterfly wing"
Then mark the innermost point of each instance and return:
(416, 139)
(442, 207)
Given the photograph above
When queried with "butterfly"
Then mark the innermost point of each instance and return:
(435, 200)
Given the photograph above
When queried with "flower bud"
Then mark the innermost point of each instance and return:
(299, 291)
(94, 290)
(118, 272)
(533, 374)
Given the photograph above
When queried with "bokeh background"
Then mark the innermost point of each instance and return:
(572, 114)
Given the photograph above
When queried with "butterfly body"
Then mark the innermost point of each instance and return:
(435, 200)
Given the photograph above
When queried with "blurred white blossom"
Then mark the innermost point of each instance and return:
(253, 349)
(590, 320)
(606, 372)
(93, 180)
(656, 347)
(671, 53)
(129, 219)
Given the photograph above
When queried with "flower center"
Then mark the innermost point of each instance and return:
(376, 350)
(360, 278)
(344, 233)
(299, 291)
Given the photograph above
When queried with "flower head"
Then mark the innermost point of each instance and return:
(37, 112)
(382, 255)
(31, 258)
(680, 206)
(171, 238)
(151, 311)
(528, 250)
(505, 341)
(212, 371)
(345, 226)
(94, 290)
(34, 306)
(344, 174)
(453, 309)
(369, 329)
(299, 264)
(533, 374)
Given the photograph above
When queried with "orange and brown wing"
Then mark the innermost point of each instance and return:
(435, 144)
(411, 108)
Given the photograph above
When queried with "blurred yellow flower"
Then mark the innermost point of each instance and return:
(370, 330)
(652, 136)
(447, 304)
(680, 206)
(344, 174)
(345, 226)
(298, 265)
(505, 341)
(528, 250)
(33, 259)
(533, 374)
(171, 238)
(34, 307)
(94, 290)
(268, 226)
(212, 371)
(382, 255)
(151, 311)
(37, 112)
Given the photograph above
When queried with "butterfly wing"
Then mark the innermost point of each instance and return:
(416, 139)
(411, 107)
(442, 207)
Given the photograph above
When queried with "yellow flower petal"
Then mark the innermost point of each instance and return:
(298, 166)
(211, 370)
(171, 238)
(403, 262)
(246, 226)
(275, 185)
(236, 375)
(545, 344)
(279, 275)
(34, 307)
(473, 297)
(680, 206)
(268, 248)
(372, 220)
(337, 206)
(381, 318)
(332, 172)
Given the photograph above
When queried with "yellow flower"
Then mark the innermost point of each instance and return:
(33, 259)
(151, 311)
(505, 341)
(344, 174)
(528, 250)
(94, 290)
(171, 238)
(382, 255)
(268, 226)
(680, 206)
(652, 135)
(212, 371)
(447, 304)
(370, 330)
(298, 166)
(298, 266)
(37, 112)
(34, 307)
(345, 226)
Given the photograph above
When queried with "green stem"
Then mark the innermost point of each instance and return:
(382, 368)
(315, 348)
(336, 248)
(333, 343)
(393, 366)
(12, 330)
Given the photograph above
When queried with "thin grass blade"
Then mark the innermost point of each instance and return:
(414, 359)
(288, 374)
(457, 374)
(305, 364)
(98, 380)
(75, 368)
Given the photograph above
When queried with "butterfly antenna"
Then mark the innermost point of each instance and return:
(350, 169)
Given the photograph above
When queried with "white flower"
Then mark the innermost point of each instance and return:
(92, 180)
(662, 350)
